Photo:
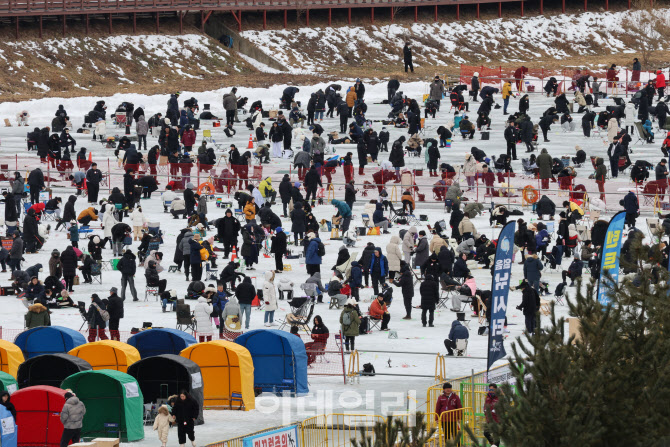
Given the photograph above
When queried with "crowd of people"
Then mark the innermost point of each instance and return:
(442, 257)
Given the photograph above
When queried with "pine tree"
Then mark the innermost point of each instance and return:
(396, 433)
(611, 387)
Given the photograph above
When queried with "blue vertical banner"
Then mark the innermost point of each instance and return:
(610, 255)
(502, 275)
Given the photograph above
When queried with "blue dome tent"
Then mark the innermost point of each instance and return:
(158, 341)
(48, 340)
(280, 360)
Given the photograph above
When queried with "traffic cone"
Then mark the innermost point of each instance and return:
(90, 156)
(233, 256)
(251, 142)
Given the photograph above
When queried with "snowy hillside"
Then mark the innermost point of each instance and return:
(501, 40)
(71, 63)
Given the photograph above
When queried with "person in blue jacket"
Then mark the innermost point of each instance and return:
(379, 268)
(457, 332)
(648, 128)
(542, 241)
(312, 258)
(632, 207)
(355, 279)
(355, 132)
(379, 219)
(344, 211)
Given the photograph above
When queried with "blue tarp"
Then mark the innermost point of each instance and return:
(48, 340)
(280, 360)
(152, 342)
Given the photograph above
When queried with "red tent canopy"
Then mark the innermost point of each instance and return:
(38, 415)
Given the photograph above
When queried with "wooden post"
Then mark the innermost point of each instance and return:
(628, 4)
(307, 17)
(134, 23)
(541, 6)
(477, 10)
(585, 5)
(563, 7)
(41, 25)
(416, 14)
(458, 12)
(110, 23)
(17, 27)
(285, 18)
(85, 19)
(521, 8)
(64, 24)
(391, 14)
(499, 10)
(239, 22)
(265, 20)
(372, 15)
(158, 23)
(607, 5)
(349, 16)
(330, 15)
(181, 22)
(435, 17)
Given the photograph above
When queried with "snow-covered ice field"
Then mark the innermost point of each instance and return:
(326, 394)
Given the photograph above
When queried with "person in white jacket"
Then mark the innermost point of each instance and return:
(108, 220)
(100, 129)
(168, 196)
(270, 298)
(393, 256)
(137, 216)
(470, 170)
(408, 243)
(204, 324)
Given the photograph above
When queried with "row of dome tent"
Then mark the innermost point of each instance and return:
(154, 364)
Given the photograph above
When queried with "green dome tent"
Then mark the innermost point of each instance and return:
(7, 383)
(111, 397)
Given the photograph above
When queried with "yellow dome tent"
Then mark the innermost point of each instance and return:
(107, 354)
(11, 357)
(227, 373)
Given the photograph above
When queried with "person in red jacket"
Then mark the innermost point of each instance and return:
(660, 84)
(188, 138)
(489, 178)
(518, 77)
(451, 422)
(490, 412)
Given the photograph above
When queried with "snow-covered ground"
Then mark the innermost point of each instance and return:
(445, 43)
(373, 394)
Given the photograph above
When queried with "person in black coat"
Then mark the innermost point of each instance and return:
(545, 206)
(397, 156)
(285, 188)
(230, 275)
(36, 184)
(228, 230)
(407, 58)
(115, 309)
(364, 261)
(406, 283)
(530, 304)
(185, 410)
(446, 259)
(31, 233)
(430, 296)
(246, 292)
(298, 222)
(279, 249)
(350, 193)
(93, 179)
(288, 133)
(414, 122)
(127, 265)
(69, 213)
(68, 259)
(545, 124)
(461, 269)
(11, 213)
(312, 182)
(189, 200)
(361, 150)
